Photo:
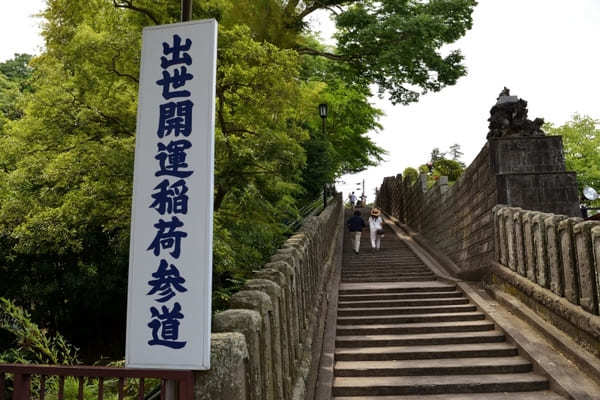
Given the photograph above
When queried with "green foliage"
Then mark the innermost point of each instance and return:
(436, 155)
(450, 168)
(410, 175)
(439, 165)
(14, 81)
(396, 44)
(67, 134)
(581, 144)
(31, 345)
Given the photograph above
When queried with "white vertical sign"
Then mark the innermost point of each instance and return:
(170, 262)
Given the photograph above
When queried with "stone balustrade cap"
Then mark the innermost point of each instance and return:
(227, 320)
(269, 286)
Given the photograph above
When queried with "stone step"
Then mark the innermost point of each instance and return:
(537, 395)
(398, 290)
(493, 336)
(400, 296)
(387, 279)
(387, 264)
(426, 352)
(367, 274)
(403, 303)
(399, 385)
(452, 366)
(366, 270)
(411, 318)
(363, 261)
(348, 312)
(400, 329)
(396, 276)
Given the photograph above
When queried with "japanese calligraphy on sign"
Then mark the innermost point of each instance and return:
(170, 271)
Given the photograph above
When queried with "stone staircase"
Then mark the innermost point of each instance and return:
(403, 334)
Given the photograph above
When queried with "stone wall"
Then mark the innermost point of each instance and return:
(553, 261)
(526, 172)
(266, 345)
(456, 219)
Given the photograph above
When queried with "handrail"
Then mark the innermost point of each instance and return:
(23, 373)
(312, 208)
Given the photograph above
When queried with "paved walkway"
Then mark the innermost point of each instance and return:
(403, 333)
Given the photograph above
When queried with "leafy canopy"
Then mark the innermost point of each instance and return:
(581, 145)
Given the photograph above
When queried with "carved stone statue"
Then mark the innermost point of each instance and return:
(508, 117)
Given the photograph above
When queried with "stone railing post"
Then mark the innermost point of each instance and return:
(260, 302)
(569, 260)
(588, 295)
(229, 358)
(248, 323)
(554, 254)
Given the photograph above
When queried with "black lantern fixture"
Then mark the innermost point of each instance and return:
(323, 110)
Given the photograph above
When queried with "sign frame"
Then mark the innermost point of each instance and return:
(170, 261)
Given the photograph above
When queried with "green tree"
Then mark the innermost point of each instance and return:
(66, 157)
(581, 144)
(14, 81)
(410, 175)
(455, 153)
(395, 44)
(450, 168)
(436, 155)
(18, 69)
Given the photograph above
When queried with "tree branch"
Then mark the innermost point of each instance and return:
(122, 74)
(313, 52)
(128, 4)
(308, 10)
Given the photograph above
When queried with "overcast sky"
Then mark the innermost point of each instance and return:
(545, 51)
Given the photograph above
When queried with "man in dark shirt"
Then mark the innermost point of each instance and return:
(356, 225)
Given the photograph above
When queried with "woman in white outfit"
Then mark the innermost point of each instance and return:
(375, 224)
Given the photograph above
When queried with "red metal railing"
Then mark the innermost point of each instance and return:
(22, 378)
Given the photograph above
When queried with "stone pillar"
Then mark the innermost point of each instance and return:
(497, 221)
(519, 242)
(288, 344)
(228, 376)
(530, 260)
(569, 260)
(596, 251)
(260, 302)
(554, 254)
(510, 238)
(293, 306)
(289, 257)
(503, 239)
(540, 249)
(588, 295)
(278, 346)
(247, 322)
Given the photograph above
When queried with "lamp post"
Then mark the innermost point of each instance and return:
(323, 115)
(186, 10)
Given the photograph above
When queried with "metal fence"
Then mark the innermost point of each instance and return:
(312, 208)
(48, 381)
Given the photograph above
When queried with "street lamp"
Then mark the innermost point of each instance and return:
(186, 10)
(323, 115)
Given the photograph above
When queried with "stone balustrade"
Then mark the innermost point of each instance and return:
(267, 345)
(556, 252)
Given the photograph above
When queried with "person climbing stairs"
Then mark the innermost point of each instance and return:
(404, 333)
